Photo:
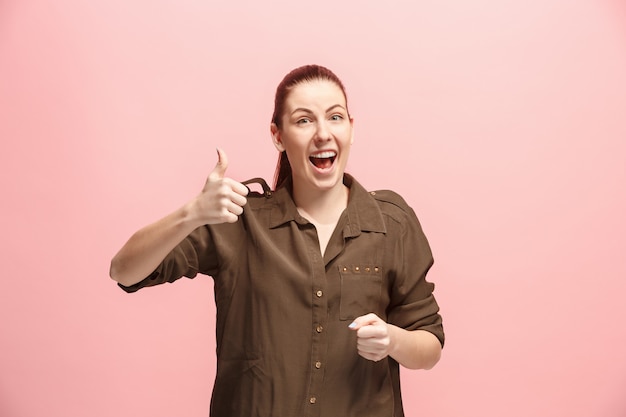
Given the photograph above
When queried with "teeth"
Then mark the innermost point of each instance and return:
(328, 154)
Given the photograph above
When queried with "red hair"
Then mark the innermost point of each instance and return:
(297, 76)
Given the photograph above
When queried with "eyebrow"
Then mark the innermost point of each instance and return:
(327, 110)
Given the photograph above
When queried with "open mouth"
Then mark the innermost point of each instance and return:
(323, 160)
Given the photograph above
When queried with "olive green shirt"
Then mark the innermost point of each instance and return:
(284, 348)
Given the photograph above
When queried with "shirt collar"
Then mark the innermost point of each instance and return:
(362, 214)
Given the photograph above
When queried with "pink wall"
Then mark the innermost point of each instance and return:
(502, 123)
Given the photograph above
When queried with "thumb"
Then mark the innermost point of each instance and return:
(363, 321)
(220, 168)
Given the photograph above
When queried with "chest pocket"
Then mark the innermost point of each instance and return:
(361, 287)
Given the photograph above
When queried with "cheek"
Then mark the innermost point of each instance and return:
(293, 149)
(347, 136)
(296, 141)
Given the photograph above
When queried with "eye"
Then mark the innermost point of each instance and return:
(303, 120)
(336, 117)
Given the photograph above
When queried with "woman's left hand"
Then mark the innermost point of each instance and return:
(374, 339)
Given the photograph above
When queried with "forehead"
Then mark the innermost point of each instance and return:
(316, 93)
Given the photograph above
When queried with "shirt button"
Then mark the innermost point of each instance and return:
(312, 400)
(356, 268)
(319, 293)
(318, 364)
(319, 328)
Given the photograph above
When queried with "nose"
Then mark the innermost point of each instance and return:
(323, 131)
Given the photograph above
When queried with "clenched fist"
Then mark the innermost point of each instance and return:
(374, 341)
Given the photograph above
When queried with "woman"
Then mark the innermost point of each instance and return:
(319, 285)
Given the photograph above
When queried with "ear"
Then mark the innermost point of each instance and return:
(278, 143)
(351, 130)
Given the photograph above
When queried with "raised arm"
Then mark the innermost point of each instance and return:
(220, 201)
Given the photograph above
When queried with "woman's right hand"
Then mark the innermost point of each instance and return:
(222, 199)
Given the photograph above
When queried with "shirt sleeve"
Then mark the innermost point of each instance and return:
(413, 305)
(194, 254)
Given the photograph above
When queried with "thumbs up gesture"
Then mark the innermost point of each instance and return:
(222, 199)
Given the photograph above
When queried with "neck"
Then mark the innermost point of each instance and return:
(322, 206)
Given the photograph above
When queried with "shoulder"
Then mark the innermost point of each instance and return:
(390, 203)
(393, 205)
(390, 197)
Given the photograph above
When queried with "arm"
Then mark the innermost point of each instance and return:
(413, 349)
(221, 201)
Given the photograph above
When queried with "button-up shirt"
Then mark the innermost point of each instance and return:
(284, 348)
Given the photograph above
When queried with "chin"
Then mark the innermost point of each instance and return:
(330, 182)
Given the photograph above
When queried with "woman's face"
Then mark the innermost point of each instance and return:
(316, 133)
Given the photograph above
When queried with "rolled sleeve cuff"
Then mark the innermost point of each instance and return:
(427, 313)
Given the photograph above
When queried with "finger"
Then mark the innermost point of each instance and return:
(220, 167)
(229, 217)
(371, 331)
(238, 199)
(371, 349)
(230, 193)
(374, 357)
(235, 209)
(365, 320)
(237, 187)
